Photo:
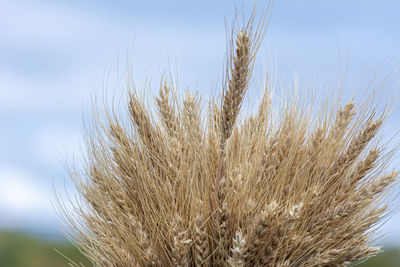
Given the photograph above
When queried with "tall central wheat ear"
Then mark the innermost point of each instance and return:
(238, 84)
(279, 188)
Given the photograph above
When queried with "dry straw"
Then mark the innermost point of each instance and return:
(177, 189)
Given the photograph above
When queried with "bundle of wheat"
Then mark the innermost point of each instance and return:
(276, 189)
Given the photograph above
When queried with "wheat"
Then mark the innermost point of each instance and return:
(167, 111)
(180, 244)
(201, 250)
(278, 188)
(238, 258)
(237, 84)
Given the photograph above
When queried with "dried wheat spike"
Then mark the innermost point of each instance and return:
(180, 243)
(238, 258)
(200, 249)
(167, 111)
(238, 84)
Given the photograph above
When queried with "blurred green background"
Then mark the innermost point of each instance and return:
(19, 250)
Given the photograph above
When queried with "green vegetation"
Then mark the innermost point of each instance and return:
(388, 258)
(17, 250)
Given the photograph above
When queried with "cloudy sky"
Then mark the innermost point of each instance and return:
(55, 54)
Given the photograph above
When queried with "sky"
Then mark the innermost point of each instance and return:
(55, 54)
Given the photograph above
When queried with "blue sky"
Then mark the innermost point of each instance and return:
(54, 54)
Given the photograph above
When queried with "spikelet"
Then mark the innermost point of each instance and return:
(200, 249)
(238, 258)
(180, 244)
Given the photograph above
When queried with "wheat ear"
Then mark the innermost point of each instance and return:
(239, 250)
(238, 84)
(166, 110)
(200, 248)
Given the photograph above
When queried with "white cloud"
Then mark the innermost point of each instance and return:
(23, 203)
(19, 193)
